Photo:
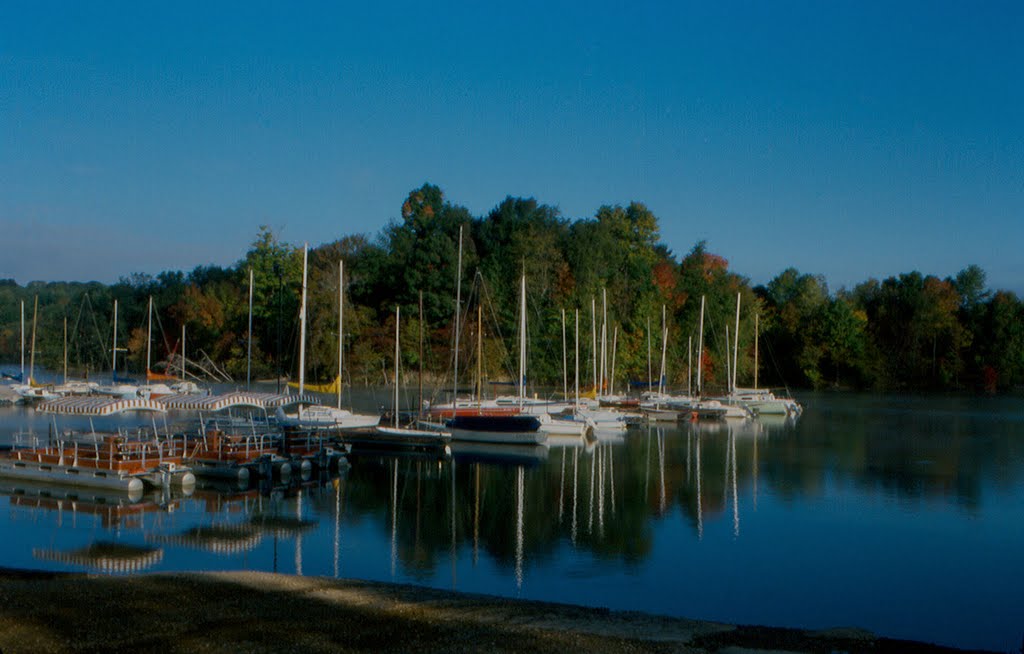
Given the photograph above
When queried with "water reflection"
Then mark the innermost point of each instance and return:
(106, 557)
(616, 521)
(670, 467)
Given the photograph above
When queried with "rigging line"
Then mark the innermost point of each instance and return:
(96, 326)
(493, 318)
(778, 370)
(168, 352)
(78, 320)
(465, 318)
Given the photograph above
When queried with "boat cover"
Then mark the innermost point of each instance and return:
(91, 405)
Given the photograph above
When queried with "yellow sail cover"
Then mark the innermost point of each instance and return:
(331, 387)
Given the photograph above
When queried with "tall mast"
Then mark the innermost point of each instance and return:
(736, 344)
(664, 350)
(565, 362)
(113, 360)
(419, 399)
(149, 335)
(341, 323)
(248, 354)
(302, 323)
(576, 358)
(689, 366)
(458, 310)
(700, 346)
(522, 340)
(593, 335)
(604, 342)
(397, 320)
(65, 349)
(32, 352)
(479, 355)
(611, 379)
(728, 364)
(23, 341)
(756, 336)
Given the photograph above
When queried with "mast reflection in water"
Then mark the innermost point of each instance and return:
(863, 507)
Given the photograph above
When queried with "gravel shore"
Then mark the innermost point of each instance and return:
(260, 612)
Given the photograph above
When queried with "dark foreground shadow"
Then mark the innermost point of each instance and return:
(258, 612)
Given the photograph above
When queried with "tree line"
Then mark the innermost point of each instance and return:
(907, 332)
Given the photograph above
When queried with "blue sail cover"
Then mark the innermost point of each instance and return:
(503, 423)
(643, 384)
(12, 376)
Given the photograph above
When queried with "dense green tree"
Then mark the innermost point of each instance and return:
(911, 331)
(423, 252)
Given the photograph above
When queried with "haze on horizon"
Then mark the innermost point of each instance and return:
(847, 140)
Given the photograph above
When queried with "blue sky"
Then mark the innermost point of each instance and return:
(849, 139)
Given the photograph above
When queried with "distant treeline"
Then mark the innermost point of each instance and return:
(913, 331)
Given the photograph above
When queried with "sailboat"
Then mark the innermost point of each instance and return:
(464, 406)
(711, 408)
(762, 401)
(117, 387)
(659, 406)
(587, 418)
(395, 430)
(152, 376)
(165, 384)
(31, 390)
(319, 416)
(518, 428)
(75, 386)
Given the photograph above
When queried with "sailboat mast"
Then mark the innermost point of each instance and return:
(149, 335)
(565, 362)
(113, 360)
(341, 321)
(615, 342)
(756, 337)
(23, 341)
(65, 349)
(479, 356)
(397, 320)
(458, 310)
(728, 364)
(664, 350)
(32, 353)
(302, 323)
(689, 366)
(576, 358)
(700, 346)
(593, 335)
(419, 404)
(248, 354)
(736, 344)
(522, 341)
(604, 342)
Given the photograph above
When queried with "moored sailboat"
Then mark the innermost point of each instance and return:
(404, 432)
(513, 428)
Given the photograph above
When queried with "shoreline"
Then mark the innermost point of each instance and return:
(266, 612)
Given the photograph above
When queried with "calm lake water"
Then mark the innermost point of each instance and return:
(901, 515)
